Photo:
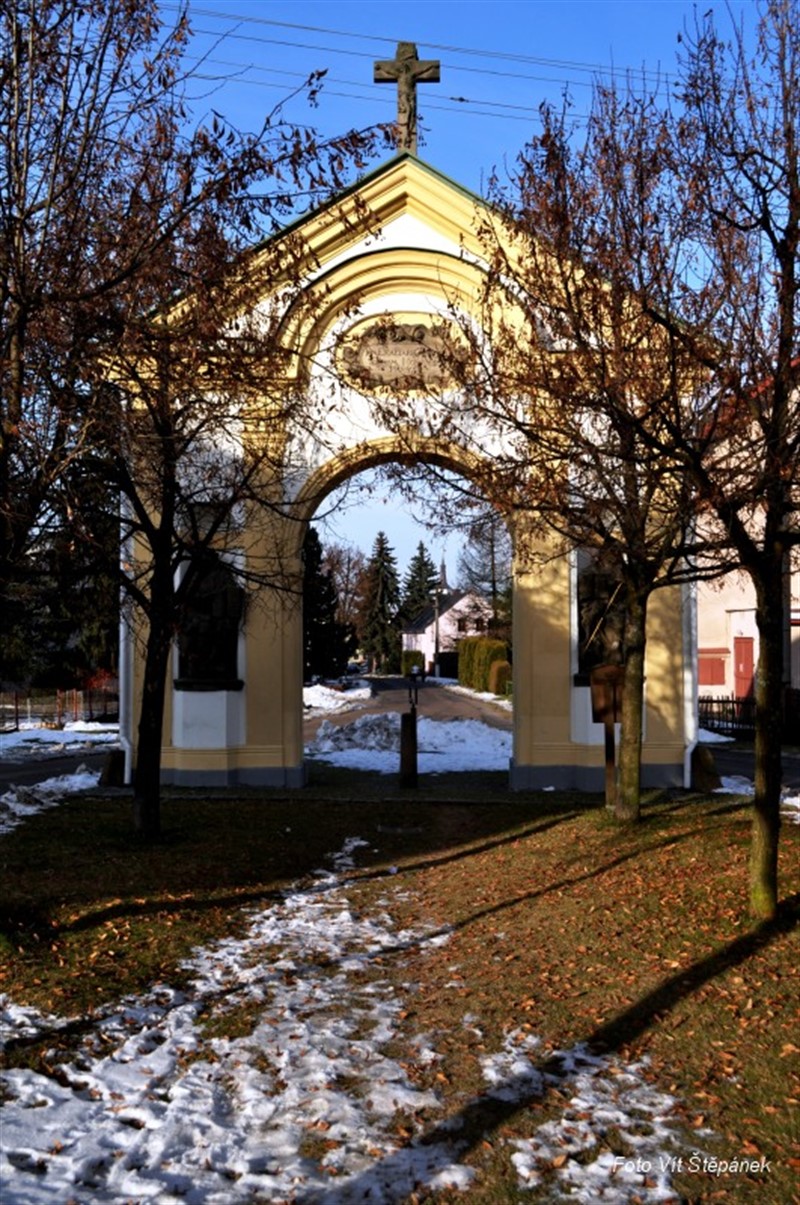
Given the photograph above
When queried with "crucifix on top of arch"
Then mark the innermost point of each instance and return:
(407, 70)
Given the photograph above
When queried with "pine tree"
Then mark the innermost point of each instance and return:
(327, 643)
(420, 584)
(379, 610)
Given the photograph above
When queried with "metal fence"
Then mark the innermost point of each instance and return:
(55, 708)
(737, 717)
(731, 717)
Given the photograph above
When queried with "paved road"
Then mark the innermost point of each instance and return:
(731, 761)
(434, 702)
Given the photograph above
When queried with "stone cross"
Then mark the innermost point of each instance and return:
(407, 70)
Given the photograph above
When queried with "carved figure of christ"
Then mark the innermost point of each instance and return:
(407, 70)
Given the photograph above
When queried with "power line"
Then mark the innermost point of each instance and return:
(566, 83)
(457, 103)
(504, 56)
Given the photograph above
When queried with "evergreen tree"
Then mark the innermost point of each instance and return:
(327, 643)
(61, 614)
(379, 609)
(420, 584)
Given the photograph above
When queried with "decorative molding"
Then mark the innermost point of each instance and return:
(401, 356)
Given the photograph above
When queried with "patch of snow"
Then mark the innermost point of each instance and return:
(321, 699)
(372, 742)
(20, 802)
(500, 701)
(306, 1107)
(33, 741)
(606, 1094)
(790, 807)
(737, 784)
(706, 737)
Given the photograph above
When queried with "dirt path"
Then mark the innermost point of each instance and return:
(434, 701)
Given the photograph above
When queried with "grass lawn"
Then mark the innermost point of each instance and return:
(562, 925)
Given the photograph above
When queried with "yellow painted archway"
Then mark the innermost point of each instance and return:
(401, 247)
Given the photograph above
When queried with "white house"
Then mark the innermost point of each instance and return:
(436, 631)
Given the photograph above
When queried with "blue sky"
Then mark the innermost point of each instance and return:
(500, 59)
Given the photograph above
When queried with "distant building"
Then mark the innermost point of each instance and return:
(727, 635)
(436, 630)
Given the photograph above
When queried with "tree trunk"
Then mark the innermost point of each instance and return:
(630, 748)
(768, 745)
(147, 779)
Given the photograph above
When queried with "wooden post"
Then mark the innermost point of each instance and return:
(606, 686)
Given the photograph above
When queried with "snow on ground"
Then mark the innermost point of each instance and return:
(372, 742)
(20, 802)
(498, 701)
(321, 699)
(706, 737)
(306, 1108)
(32, 740)
(736, 784)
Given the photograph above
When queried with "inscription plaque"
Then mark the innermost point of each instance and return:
(405, 355)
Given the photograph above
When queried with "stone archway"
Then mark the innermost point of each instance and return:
(409, 268)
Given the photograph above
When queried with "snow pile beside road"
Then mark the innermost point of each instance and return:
(372, 742)
(505, 704)
(320, 699)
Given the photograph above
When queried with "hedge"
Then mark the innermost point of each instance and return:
(500, 677)
(475, 657)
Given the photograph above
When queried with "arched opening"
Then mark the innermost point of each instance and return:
(431, 507)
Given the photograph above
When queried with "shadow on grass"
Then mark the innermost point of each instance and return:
(464, 1131)
(241, 899)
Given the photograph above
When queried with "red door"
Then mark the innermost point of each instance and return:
(743, 664)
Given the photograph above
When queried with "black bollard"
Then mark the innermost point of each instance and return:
(408, 748)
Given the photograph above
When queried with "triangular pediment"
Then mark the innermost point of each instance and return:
(402, 202)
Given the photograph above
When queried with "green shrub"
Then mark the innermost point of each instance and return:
(466, 659)
(500, 677)
(476, 656)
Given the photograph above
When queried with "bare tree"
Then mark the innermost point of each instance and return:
(484, 564)
(128, 342)
(658, 279)
(577, 380)
(738, 184)
(346, 566)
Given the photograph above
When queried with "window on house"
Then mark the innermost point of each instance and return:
(711, 667)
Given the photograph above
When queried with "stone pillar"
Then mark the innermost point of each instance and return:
(542, 754)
